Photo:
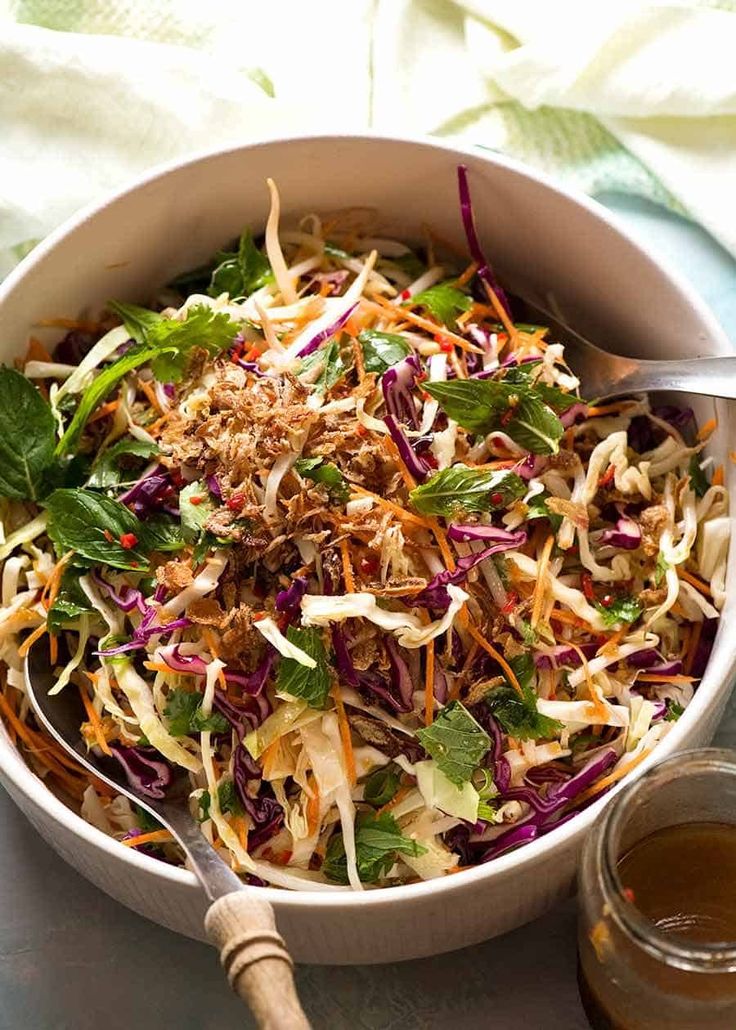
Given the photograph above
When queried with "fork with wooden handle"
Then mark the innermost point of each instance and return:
(239, 922)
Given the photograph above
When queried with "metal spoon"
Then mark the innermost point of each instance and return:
(603, 375)
(239, 922)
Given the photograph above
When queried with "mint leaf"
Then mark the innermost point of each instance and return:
(162, 533)
(517, 713)
(378, 842)
(456, 742)
(242, 273)
(91, 525)
(70, 602)
(166, 344)
(195, 506)
(460, 490)
(27, 437)
(184, 714)
(332, 367)
(382, 350)
(311, 685)
(621, 609)
(698, 479)
(321, 471)
(484, 405)
(443, 301)
(381, 786)
(111, 469)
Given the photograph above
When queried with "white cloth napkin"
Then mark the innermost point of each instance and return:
(640, 97)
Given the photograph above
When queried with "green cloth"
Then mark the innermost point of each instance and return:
(638, 98)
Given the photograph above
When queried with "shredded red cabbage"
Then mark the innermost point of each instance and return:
(466, 211)
(327, 333)
(508, 537)
(146, 772)
(397, 384)
(415, 464)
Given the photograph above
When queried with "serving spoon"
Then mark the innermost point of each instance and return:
(238, 922)
(603, 375)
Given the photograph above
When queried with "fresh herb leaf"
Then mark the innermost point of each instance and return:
(111, 467)
(166, 344)
(382, 350)
(555, 398)
(674, 711)
(227, 795)
(621, 609)
(443, 301)
(92, 524)
(331, 367)
(162, 533)
(698, 478)
(195, 506)
(332, 250)
(311, 685)
(538, 509)
(381, 786)
(517, 713)
(456, 742)
(206, 543)
(660, 570)
(378, 843)
(27, 437)
(242, 273)
(146, 821)
(184, 713)
(321, 471)
(69, 603)
(137, 320)
(484, 405)
(409, 263)
(461, 490)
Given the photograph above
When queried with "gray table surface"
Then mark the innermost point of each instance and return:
(73, 959)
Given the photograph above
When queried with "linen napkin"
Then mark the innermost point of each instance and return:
(639, 97)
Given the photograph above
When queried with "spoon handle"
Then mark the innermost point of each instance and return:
(255, 958)
(714, 377)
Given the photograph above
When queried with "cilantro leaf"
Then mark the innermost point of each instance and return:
(382, 350)
(461, 490)
(27, 437)
(378, 842)
(227, 795)
(164, 343)
(137, 320)
(484, 405)
(321, 471)
(381, 786)
(195, 506)
(443, 301)
(329, 364)
(69, 603)
(621, 609)
(92, 524)
(242, 273)
(184, 713)
(111, 467)
(311, 685)
(456, 742)
(698, 479)
(674, 711)
(517, 713)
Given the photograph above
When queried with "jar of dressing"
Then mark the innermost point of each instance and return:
(657, 900)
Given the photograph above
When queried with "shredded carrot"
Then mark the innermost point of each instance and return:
(159, 423)
(347, 743)
(83, 325)
(402, 513)
(398, 797)
(102, 412)
(409, 480)
(609, 409)
(28, 643)
(53, 648)
(36, 351)
(209, 639)
(694, 581)
(160, 667)
(154, 837)
(540, 587)
(607, 781)
(567, 618)
(707, 429)
(95, 722)
(269, 756)
(429, 685)
(430, 327)
(347, 568)
(241, 828)
(732, 456)
(150, 395)
(599, 704)
(358, 358)
(491, 650)
(695, 633)
(313, 807)
(39, 747)
(468, 274)
(654, 678)
(718, 476)
(442, 543)
(613, 641)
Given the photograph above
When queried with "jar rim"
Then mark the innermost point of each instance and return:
(704, 958)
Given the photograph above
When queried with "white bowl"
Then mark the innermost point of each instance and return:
(558, 246)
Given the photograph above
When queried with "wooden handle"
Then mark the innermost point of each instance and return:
(254, 956)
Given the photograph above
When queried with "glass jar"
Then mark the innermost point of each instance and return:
(632, 975)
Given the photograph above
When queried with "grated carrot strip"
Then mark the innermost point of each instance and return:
(482, 642)
(313, 807)
(36, 351)
(347, 743)
(697, 629)
(612, 778)
(82, 324)
(429, 327)
(347, 568)
(95, 723)
(400, 512)
(609, 409)
(468, 274)
(442, 543)
(598, 702)
(567, 618)
(501, 312)
(718, 476)
(694, 581)
(398, 797)
(38, 747)
(358, 357)
(429, 685)
(154, 837)
(150, 395)
(707, 429)
(540, 587)
(654, 678)
(28, 643)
